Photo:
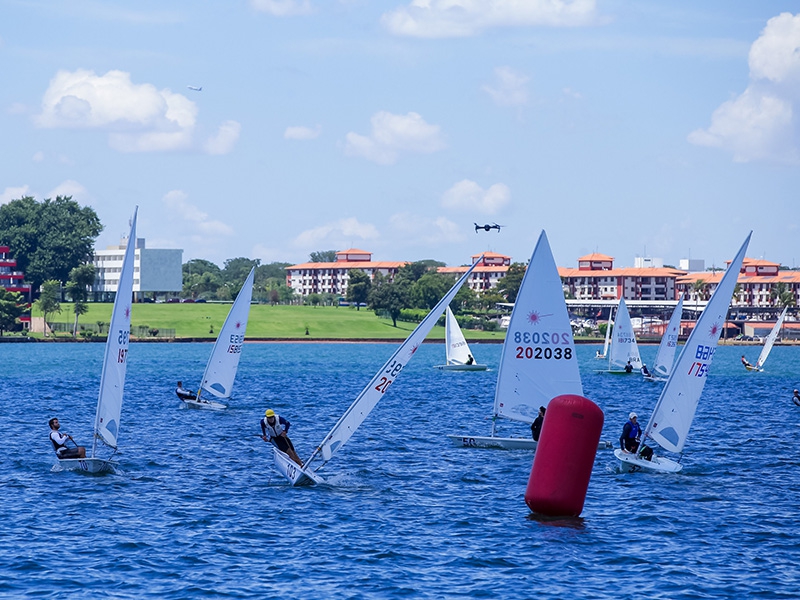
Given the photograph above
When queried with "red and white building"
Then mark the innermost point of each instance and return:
(10, 278)
(489, 271)
(332, 278)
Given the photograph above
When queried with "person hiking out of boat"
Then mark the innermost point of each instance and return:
(470, 360)
(645, 372)
(629, 367)
(746, 364)
(183, 393)
(629, 440)
(796, 398)
(274, 429)
(59, 441)
(536, 426)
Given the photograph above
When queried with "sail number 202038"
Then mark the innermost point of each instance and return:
(391, 371)
(543, 346)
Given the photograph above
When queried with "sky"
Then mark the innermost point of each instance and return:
(635, 129)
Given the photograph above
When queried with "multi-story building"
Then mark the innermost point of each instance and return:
(332, 278)
(10, 278)
(491, 269)
(156, 272)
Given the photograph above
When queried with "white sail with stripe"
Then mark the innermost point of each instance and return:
(623, 342)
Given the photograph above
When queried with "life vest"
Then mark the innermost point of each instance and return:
(56, 445)
(273, 431)
(635, 430)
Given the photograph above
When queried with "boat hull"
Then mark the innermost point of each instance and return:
(630, 463)
(204, 404)
(293, 472)
(91, 466)
(473, 367)
(477, 441)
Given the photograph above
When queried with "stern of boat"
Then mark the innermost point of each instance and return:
(293, 472)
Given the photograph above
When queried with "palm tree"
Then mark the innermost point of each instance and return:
(782, 295)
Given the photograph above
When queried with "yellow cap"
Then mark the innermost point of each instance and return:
(270, 412)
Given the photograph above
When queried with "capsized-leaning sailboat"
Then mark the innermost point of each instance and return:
(112, 379)
(223, 363)
(458, 355)
(674, 412)
(538, 361)
(607, 340)
(768, 343)
(358, 411)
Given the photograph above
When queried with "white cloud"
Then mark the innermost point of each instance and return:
(510, 88)
(761, 123)
(467, 195)
(302, 133)
(192, 219)
(419, 230)
(462, 18)
(283, 8)
(225, 140)
(14, 193)
(139, 117)
(341, 233)
(392, 134)
(69, 188)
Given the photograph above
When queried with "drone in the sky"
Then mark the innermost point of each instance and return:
(488, 227)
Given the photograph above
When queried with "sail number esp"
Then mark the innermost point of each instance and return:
(235, 345)
(391, 371)
(543, 346)
(703, 353)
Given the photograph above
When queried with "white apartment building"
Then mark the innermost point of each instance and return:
(156, 272)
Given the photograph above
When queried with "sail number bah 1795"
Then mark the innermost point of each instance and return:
(543, 346)
(703, 356)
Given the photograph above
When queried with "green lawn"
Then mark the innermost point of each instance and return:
(266, 322)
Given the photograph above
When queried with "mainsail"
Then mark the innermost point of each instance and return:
(458, 352)
(623, 342)
(768, 343)
(669, 343)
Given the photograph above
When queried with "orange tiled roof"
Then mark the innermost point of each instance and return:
(349, 264)
(352, 251)
(596, 256)
(622, 272)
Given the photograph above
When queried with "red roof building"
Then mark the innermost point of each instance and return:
(10, 278)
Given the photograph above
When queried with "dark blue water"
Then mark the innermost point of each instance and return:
(197, 510)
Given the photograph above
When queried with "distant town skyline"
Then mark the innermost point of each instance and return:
(661, 129)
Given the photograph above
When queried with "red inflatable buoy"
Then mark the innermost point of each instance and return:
(564, 456)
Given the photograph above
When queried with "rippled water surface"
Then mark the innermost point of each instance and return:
(197, 510)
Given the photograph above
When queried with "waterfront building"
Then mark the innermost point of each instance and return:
(157, 273)
(10, 278)
(492, 268)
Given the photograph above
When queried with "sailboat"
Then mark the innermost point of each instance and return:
(458, 352)
(669, 343)
(674, 412)
(608, 337)
(768, 343)
(115, 362)
(359, 410)
(538, 361)
(623, 343)
(224, 360)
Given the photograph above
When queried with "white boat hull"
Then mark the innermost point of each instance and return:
(296, 475)
(473, 367)
(462, 441)
(204, 404)
(92, 466)
(630, 463)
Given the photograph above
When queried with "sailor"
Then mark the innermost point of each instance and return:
(274, 429)
(470, 360)
(59, 441)
(796, 398)
(645, 372)
(536, 426)
(746, 364)
(184, 394)
(629, 440)
(629, 367)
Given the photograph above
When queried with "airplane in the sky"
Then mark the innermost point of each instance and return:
(488, 227)
(196, 89)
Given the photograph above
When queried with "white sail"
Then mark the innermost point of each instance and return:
(669, 343)
(675, 409)
(768, 343)
(368, 398)
(458, 352)
(538, 361)
(115, 360)
(224, 360)
(623, 342)
(608, 333)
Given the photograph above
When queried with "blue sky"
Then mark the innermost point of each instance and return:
(662, 129)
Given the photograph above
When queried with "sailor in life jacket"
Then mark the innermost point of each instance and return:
(274, 429)
(59, 441)
(183, 393)
(629, 440)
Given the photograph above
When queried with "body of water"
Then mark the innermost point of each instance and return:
(197, 510)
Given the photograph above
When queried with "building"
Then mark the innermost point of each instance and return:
(156, 272)
(491, 269)
(332, 278)
(10, 278)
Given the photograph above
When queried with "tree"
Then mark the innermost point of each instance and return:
(429, 289)
(508, 286)
(465, 299)
(782, 294)
(313, 300)
(358, 287)
(322, 256)
(49, 238)
(80, 278)
(48, 301)
(236, 271)
(389, 296)
(198, 266)
(11, 307)
(412, 271)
